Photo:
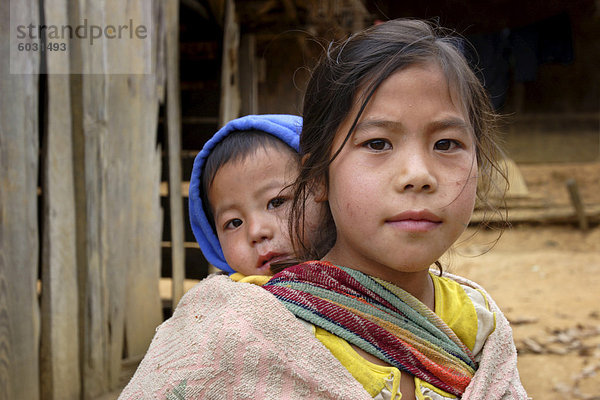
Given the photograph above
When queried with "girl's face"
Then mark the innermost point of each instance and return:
(402, 190)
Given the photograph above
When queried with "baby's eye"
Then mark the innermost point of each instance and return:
(378, 144)
(233, 223)
(276, 203)
(446, 144)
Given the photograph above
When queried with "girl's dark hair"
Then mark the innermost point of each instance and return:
(236, 146)
(356, 67)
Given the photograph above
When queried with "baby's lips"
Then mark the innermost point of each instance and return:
(272, 257)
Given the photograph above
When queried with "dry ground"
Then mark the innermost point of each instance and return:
(546, 279)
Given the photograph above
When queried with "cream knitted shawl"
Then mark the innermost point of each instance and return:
(233, 340)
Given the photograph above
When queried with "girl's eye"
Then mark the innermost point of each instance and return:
(446, 144)
(378, 145)
(234, 223)
(275, 203)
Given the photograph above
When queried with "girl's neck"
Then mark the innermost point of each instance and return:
(419, 284)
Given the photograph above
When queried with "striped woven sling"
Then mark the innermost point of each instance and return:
(379, 318)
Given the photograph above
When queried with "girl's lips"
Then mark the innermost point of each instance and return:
(410, 225)
(415, 221)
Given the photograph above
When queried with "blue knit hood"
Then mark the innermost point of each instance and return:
(285, 127)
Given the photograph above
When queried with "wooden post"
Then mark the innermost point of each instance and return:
(248, 75)
(19, 244)
(230, 92)
(143, 307)
(577, 203)
(174, 150)
(89, 103)
(96, 341)
(117, 228)
(59, 355)
(78, 140)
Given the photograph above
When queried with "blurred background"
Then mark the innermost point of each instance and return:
(96, 247)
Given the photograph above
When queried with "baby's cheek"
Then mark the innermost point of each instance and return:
(231, 253)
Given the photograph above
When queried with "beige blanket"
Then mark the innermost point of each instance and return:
(232, 340)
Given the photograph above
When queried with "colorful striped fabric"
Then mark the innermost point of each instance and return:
(379, 318)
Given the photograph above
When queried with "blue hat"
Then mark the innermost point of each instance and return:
(285, 127)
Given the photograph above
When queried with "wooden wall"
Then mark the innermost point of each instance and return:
(79, 200)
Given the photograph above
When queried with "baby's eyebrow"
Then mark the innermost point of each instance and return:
(218, 211)
(269, 185)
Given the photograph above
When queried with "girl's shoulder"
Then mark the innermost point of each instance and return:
(497, 374)
(465, 308)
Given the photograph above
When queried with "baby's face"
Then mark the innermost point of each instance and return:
(250, 210)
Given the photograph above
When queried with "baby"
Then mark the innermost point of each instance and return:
(239, 194)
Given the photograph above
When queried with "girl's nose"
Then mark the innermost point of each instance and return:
(261, 228)
(415, 174)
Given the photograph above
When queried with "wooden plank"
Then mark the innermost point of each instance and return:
(174, 149)
(5, 322)
(80, 196)
(248, 70)
(59, 355)
(19, 312)
(230, 93)
(117, 232)
(89, 110)
(143, 307)
(131, 184)
(159, 46)
(96, 341)
(577, 203)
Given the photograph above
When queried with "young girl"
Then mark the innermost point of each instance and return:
(396, 144)
(397, 134)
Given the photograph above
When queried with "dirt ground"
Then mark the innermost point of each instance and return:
(546, 279)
